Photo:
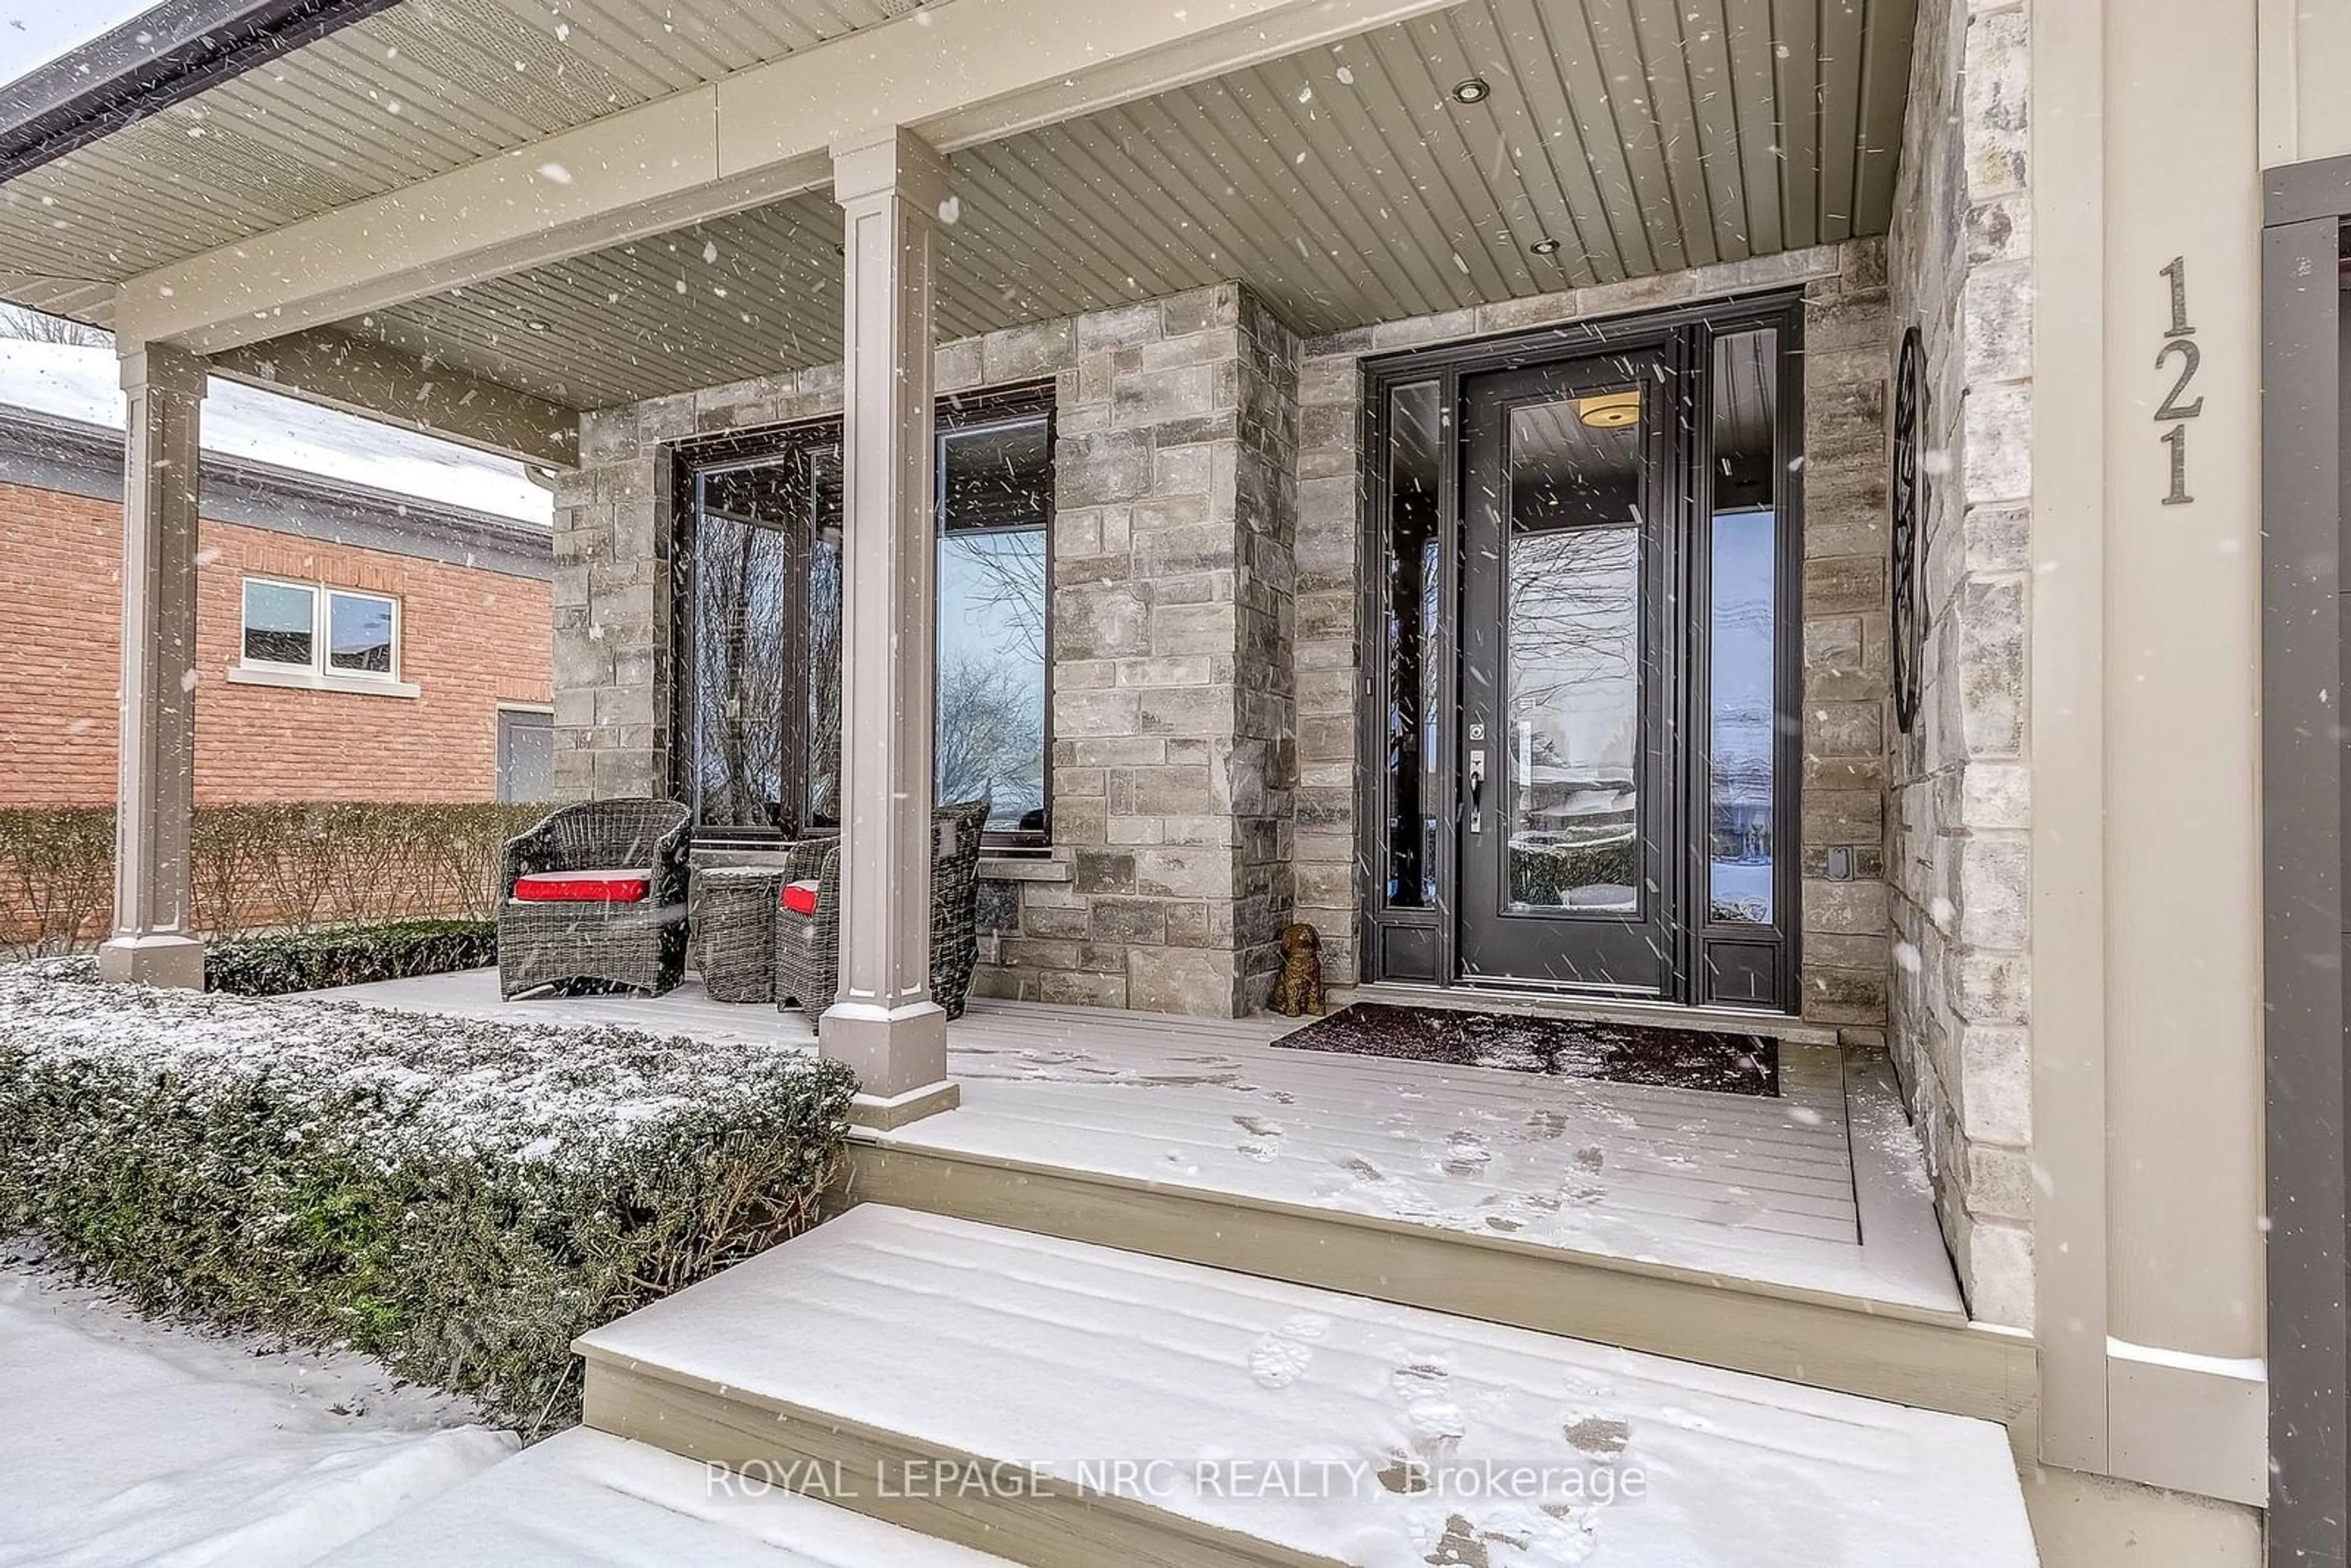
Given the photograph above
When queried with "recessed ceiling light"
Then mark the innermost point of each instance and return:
(1611, 410)
(1474, 90)
(1545, 247)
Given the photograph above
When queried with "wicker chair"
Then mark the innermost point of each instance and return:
(808, 946)
(637, 941)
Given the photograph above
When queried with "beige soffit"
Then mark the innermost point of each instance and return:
(1343, 184)
(413, 91)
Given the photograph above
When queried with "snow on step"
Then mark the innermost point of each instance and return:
(587, 1500)
(1319, 1423)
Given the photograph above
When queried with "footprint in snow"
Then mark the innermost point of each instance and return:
(1465, 1154)
(1279, 1359)
(1590, 1157)
(1425, 1391)
(1461, 1546)
(1601, 1437)
(1264, 1141)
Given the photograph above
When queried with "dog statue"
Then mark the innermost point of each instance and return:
(1298, 990)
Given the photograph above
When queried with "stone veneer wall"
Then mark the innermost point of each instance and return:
(1176, 420)
(1203, 640)
(1960, 262)
(1845, 956)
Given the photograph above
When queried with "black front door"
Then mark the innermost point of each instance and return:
(1581, 742)
(1570, 791)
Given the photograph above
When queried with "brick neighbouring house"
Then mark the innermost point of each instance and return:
(470, 695)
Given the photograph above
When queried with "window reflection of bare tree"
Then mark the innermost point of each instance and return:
(739, 684)
(990, 725)
(991, 714)
(1574, 614)
(1008, 572)
(824, 683)
(990, 733)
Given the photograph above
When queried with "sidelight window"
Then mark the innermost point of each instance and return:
(1413, 606)
(1743, 547)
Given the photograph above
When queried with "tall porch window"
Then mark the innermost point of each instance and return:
(757, 570)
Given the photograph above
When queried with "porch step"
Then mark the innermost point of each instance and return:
(1108, 1406)
(587, 1499)
(1261, 1178)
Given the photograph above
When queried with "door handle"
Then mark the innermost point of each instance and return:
(1477, 791)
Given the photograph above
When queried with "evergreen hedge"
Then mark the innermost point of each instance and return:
(274, 965)
(459, 1197)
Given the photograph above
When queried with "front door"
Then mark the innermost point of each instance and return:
(1569, 786)
(1580, 732)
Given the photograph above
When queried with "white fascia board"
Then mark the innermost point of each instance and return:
(958, 73)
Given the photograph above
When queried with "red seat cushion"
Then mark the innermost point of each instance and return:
(583, 887)
(800, 897)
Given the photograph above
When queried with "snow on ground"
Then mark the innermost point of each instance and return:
(134, 1441)
(69, 381)
(583, 1499)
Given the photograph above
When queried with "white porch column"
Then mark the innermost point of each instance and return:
(883, 1025)
(155, 942)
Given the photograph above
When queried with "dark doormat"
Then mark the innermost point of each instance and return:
(1565, 1047)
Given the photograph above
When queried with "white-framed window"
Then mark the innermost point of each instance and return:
(281, 624)
(314, 634)
(362, 635)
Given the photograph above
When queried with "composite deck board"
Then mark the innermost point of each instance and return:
(1142, 1389)
(1809, 1154)
(1347, 1164)
(1741, 1188)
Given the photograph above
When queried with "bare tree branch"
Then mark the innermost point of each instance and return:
(30, 326)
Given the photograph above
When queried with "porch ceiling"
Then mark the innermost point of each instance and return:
(419, 88)
(1344, 184)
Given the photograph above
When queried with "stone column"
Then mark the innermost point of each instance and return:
(154, 941)
(883, 1025)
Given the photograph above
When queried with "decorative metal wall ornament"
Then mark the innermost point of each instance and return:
(1907, 494)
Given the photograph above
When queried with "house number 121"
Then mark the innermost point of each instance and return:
(2178, 344)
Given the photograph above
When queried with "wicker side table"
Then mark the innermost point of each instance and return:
(734, 921)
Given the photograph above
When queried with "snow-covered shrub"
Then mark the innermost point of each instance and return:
(460, 1197)
(274, 965)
